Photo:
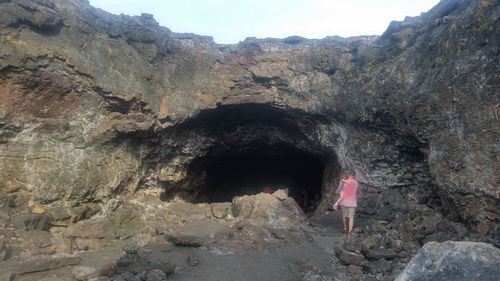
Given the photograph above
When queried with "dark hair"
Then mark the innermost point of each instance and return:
(352, 173)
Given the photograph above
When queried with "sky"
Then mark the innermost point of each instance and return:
(231, 21)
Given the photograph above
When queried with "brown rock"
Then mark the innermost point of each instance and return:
(220, 210)
(44, 263)
(7, 276)
(93, 228)
(280, 194)
(3, 250)
(243, 206)
(38, 210)
(84, 273)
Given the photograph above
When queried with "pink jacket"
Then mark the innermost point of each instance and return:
(350, 190)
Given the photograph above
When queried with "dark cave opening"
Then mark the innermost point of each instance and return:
(242, 148)
(249, 172)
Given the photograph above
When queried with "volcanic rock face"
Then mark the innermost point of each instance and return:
(452, 260)
(95, 106)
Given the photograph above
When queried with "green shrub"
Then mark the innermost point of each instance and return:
(438, 61)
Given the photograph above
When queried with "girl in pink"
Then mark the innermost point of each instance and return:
(348, 202)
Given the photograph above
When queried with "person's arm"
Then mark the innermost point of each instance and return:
(340, 198)
(340, 187)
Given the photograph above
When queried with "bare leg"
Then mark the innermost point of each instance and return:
(351, 224)
(344, 221)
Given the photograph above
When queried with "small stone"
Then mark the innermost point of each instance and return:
(44, 262)
(280, 194)
(165, 248)
(220, 210)
(131, 249)
(192, 259)
(354, 269)
(3, 250)
(351, 257)
(397, 245)
(185, 239)
(380, 253)
(83, 273)
(92, 228)
(9, 276)
(353, 244)
(108, 270)
(99, 278)
(38, 210)
(126, 276)
(156, 275)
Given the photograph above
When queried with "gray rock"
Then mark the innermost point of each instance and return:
(353, 258)
(156, 275)
(7, 276)
(192, 259)
(131, 249)
(353, 244)
(3, 250)
(185, 239)
(380, 253)
(458, 261)
(127, 276)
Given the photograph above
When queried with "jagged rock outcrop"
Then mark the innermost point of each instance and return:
(94, 105)
(452, 260)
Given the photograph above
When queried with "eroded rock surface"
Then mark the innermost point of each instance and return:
(109, 124)
(453, 260)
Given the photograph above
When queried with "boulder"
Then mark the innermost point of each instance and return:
(354, 269)
(379, 253)
(43, 263)
(280, 194)
(93, 228)
(32, 222)
(36, 242)
(458, 261)
(156, 275)
(220, 210)
(349, 257)
(185, 239)
(353, 244)
(7, 276)
(205, 230)
(243, 206)
(84, 273)
(427, 224)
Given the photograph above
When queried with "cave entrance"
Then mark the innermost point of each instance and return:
(249, 172)
(236, 150)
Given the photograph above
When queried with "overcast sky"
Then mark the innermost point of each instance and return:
(231, 21)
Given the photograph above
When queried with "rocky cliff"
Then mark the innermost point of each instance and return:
(95, 106)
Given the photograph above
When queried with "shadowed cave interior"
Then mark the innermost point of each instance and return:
(256, 146)
(249, 172)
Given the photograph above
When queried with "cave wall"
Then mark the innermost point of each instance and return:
(90, 102)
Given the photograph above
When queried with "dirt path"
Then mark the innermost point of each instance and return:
(281, 262)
